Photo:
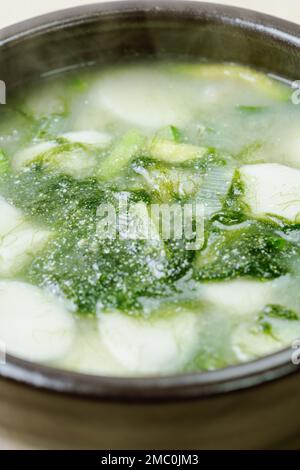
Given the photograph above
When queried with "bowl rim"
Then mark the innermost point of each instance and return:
(197, 385)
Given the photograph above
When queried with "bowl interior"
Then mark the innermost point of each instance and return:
(112, 32)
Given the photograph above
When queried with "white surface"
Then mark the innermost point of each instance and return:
(17, 10)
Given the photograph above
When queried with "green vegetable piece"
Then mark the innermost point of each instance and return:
(74, 159)
(215, 188)
(251, 153)
(89, 271)
(274, 311)
(258, 80)
(171, 133)
(4, 163)
(79, 84)
(52, 198)
(120, 155)
(251, 109)
(167, 184)
(176, 134)
(86, 268)
(172, 152)
(255, 250)
(278, 311)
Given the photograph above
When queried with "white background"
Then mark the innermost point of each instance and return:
(12, 11)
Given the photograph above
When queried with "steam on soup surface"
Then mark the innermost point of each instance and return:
(83, 291)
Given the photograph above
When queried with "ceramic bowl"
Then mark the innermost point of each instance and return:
(252, 405)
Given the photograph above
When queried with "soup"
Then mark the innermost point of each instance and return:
(150, 218)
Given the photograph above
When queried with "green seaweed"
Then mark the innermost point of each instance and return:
(276, 311)
(256, 250)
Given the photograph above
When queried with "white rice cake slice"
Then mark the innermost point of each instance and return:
(150, 345)
(148, 99)
(89, 355)
(33, 324)
(251, 342)
(27, 155)
(238, 297)
(19, 240)
(10, 217)
(76, 162)
(92, 137)
(271, 189)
